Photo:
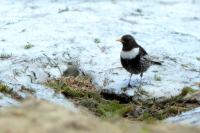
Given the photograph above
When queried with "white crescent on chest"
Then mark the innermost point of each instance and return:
(130, 54)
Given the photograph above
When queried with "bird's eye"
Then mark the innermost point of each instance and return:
(128, 39)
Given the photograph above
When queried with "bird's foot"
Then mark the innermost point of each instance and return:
(140, 85)
(129, 85)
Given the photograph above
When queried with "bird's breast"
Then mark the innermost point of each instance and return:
(131, 54)
(131, 65)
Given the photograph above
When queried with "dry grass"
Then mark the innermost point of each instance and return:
(81, 91)
(9, 92)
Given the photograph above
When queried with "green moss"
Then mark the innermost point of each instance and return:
(28, 45)
(146, 116)
(113, 109)
(66, 90)
(93, 101)
(4, 88)
(187, 90)
(157, 78)
(97, 40)
(149, 110)
(74, 93)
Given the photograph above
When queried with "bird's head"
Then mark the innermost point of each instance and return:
(128, 42)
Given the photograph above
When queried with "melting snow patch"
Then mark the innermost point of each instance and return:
(86, 32)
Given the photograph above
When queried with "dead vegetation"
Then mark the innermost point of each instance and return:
(4, 56)
(10, 92)
(110, 106)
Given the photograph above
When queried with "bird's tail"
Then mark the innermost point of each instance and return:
(156, 63)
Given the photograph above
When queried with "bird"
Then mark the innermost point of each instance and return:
(134, 58)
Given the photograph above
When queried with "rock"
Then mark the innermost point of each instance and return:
(192, 97)
(189, 117)
(43, 117)
(137, 112)
(72, 70)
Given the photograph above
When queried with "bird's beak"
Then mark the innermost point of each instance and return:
(119, 40)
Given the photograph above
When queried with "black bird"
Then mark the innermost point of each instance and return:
(134, 58)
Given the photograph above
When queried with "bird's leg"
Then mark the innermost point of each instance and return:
(141, 75)
(129, 85)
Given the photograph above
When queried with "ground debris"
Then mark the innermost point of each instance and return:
(110, 106)
(10, 92)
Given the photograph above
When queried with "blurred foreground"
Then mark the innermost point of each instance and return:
(43, 117)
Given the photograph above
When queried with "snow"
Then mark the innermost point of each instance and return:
(64, 30)
(191, 117)
(6, 101)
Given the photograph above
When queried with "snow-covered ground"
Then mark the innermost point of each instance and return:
(86, 30)
(190, 117)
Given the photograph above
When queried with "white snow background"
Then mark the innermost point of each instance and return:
(86, 31)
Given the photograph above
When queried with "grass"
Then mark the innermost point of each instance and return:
(8, 91)
(5, 56)
(97, 40)
(66, 9)
(113, 109)
(83, 93)
(157, 78)
(187, 90)
(28, 46)
(3, 88)
(91, 99)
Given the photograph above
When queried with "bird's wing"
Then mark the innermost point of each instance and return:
(146, 58)
(151, 59)
(142, 51)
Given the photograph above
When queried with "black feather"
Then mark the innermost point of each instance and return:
(156, 63)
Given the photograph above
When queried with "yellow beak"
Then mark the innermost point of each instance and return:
(119, 40)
